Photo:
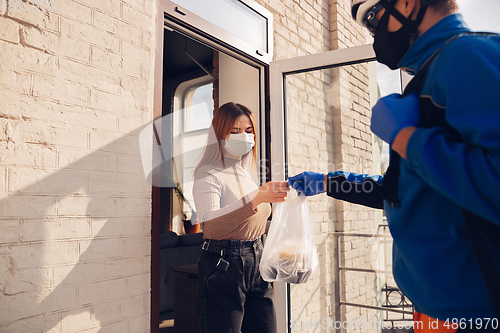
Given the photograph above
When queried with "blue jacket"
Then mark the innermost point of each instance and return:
(432, 260)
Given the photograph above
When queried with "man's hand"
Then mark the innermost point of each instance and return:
(310, 182)
(393, 113)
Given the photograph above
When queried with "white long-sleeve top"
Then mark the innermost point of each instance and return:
(224, 210)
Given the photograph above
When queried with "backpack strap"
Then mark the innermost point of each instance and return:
(415, 81)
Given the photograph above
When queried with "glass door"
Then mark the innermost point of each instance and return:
(320, 119)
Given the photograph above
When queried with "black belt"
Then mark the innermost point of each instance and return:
(221, 245)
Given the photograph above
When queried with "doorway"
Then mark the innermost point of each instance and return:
(196, 79)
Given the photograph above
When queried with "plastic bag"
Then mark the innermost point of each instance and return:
(290, 253)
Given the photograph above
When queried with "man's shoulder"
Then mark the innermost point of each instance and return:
(472, 43)
(469, 51)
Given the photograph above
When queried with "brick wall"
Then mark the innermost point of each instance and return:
(354, 144)
(344, 32)
(75, 91)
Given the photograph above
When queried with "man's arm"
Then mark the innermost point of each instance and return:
(356, 188)
(352, 187)
(465, 173)
(468, 172)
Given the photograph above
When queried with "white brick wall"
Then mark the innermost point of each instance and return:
(354, 141)
(75, 90)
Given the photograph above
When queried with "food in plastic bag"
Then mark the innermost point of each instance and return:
(290, 251)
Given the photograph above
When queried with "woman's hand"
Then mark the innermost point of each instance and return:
(273, 191)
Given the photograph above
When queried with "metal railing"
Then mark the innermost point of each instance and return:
(400, 308)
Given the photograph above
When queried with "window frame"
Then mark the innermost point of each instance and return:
(182, 92)
(182, 19)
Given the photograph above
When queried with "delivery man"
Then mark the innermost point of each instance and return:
(441, 193)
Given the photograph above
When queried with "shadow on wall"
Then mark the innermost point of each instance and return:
(75, 243)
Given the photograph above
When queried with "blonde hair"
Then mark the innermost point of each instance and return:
(221, 127)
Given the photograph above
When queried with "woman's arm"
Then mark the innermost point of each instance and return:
(207, 191)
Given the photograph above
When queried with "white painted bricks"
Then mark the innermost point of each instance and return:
(75, 90)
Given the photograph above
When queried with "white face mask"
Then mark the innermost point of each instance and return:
(239, 144)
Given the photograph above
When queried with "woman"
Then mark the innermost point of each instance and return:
(233, 211)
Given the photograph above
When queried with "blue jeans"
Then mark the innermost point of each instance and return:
(237, 299)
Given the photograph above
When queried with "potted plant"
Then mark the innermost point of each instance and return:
(189, 226)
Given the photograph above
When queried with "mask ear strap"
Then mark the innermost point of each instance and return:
(398, 16)
(389, 7)
(420, 16)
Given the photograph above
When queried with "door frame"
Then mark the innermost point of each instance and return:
(172, 17)
(278, 71)
(183, 20)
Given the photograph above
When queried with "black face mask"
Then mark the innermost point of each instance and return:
(390, 47)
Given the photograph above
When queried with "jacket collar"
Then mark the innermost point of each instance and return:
(432, 40)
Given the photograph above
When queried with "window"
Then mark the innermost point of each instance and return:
(233, 16)
(198, 105)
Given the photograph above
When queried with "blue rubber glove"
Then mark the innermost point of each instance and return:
(393, 113)
(308, 181)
